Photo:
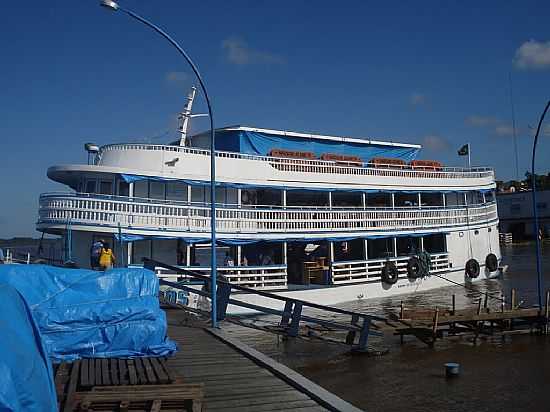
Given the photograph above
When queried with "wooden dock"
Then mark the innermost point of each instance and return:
(237, 377)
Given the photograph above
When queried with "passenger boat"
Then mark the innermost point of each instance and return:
(327, 219)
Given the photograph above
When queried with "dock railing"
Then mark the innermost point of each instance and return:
(291, 316)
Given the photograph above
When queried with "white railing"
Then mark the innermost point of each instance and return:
(114, 211)
(314, 166)
(361, 270)
(257, 277)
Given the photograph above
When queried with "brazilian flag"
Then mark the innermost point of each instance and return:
(463, 151)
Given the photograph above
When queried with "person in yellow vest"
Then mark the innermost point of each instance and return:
(107, 257)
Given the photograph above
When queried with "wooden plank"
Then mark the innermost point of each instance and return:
(105, 375)
(71, 389)
(132, 376)
(142, 378)
(149, 370)
(97, 366)
(91, 372)
(155, 406)
(84, 372)
(159, 371)
(113, 368)
(122, 371)
(167, 370)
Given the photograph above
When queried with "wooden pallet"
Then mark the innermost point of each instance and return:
(150, 376)
(174, 397)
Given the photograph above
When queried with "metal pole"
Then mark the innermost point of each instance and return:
(469, 158)
(114, 6)
(535, 213)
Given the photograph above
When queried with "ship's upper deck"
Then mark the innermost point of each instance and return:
(261, 157)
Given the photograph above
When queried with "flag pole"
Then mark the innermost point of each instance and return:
(469, 159)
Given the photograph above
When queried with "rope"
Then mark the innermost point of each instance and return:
(468, 288)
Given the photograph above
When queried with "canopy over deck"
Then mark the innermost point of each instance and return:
(261, 141)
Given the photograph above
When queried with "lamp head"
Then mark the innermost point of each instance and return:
(109, 4)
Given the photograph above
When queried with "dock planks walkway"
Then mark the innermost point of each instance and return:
(233, 381)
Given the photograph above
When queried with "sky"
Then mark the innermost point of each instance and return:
(435, 73)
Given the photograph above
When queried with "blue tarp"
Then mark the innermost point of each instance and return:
(85, 313)
(26, 378)
(260, 143)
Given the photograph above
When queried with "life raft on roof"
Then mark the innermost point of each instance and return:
(387, 162)
(291, 154)
(339, 158)
(426, 164)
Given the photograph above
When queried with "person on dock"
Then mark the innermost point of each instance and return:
(95, 253)
(107, 257)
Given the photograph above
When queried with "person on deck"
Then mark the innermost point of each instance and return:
(267, 259)
(2, 258)
(228, 260)
(95, 253)
(107, 257)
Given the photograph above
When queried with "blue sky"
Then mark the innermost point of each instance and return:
(431, 72)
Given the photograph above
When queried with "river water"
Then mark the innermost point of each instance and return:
(497, 374)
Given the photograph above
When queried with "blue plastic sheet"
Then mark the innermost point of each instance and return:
(85, 313)
(26, 378)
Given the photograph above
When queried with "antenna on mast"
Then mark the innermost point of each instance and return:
(185, 115)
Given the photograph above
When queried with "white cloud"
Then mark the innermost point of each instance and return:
(238, 52)
(435, 143)
(417, 99)
(504, 130)
(533, 55)
(480, 121)
(177, 78)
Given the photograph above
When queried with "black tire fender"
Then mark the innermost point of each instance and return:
(390, 274)
(472, 268)
(413, 267)
(491, 262)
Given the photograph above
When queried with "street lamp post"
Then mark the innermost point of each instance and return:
(535, 212)
(112, 5)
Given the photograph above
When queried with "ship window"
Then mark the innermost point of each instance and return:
(380, 248)
(141, 189)
(490, 196)
(90, 186)
(408, 245)
(379, 200)
(106, 187)
(349, 250)
(431, 199)
(454, 199)
(406, 199)
(156, 190)
(436, 243)
(123, 188)
(176, 191)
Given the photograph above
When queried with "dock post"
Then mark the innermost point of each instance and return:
(224, 291)
(402, 310)
(454, 305)
(435, 325)
(547, 312)
(502, 302)
(513, 299)
(287, 313)
(295, 320)
(485, 301)
(364, 336)
(350, 337)
(479, 307)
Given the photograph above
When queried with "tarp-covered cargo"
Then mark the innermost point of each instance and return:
(26, 379)
(85, 313)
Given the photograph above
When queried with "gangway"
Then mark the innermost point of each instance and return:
(359, 328)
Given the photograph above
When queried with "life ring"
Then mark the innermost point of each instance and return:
(491, 262)
(472, 268)
(413, 267)
(389, 273)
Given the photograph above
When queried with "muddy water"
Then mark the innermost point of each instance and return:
(511, 374)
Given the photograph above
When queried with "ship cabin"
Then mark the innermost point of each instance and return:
(291, 208)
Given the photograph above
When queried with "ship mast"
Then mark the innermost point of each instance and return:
(185, 115)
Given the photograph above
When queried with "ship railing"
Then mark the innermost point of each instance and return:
(134, 214)
(314, 166)
(256, 277)
(356, 271)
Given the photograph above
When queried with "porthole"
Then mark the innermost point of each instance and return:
(460, 234)
(476, 232)
(489, 230)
